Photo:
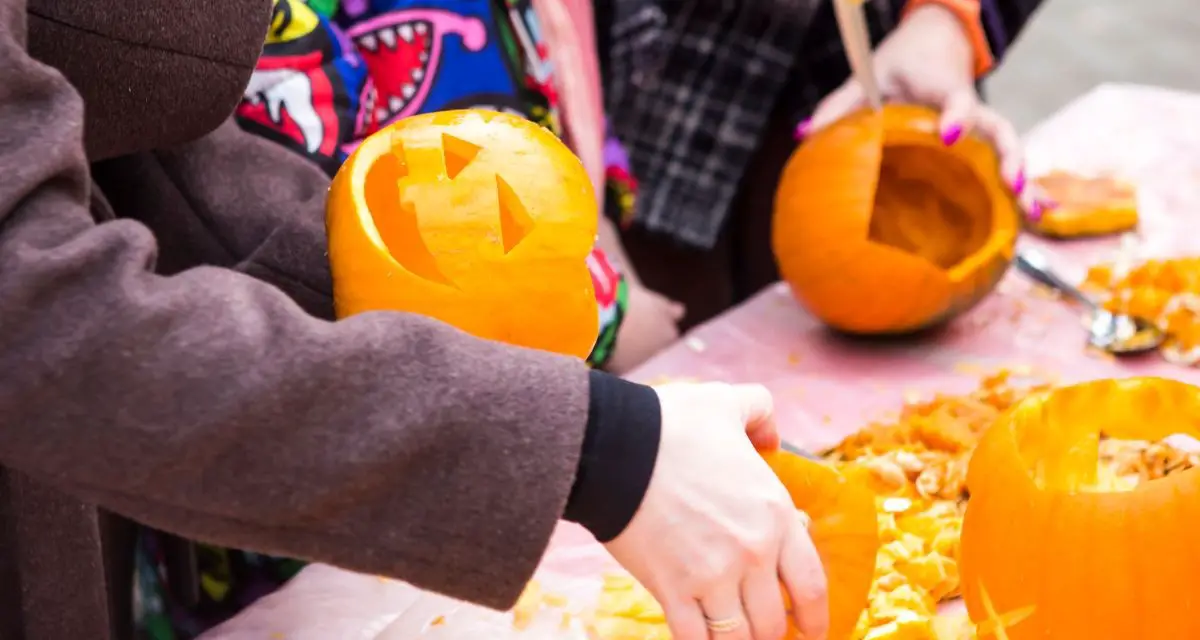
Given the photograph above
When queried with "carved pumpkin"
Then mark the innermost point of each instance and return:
(1040, 529)
(844, 529)
(880, 228)
(479, 219)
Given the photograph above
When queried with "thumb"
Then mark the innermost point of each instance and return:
(842, 102)
(676, 310)
(758, 414)
(958, 115)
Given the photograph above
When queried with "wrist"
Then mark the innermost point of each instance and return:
(959, 21)
(620, 449)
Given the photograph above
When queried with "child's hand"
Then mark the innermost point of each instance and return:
(651, 324)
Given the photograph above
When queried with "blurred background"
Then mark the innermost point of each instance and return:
(1073, 45)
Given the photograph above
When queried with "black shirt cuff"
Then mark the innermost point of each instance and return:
(620, 447)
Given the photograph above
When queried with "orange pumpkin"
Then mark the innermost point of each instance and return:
(479, 219)
(1041, 531)
(844, 529)
(880, 228)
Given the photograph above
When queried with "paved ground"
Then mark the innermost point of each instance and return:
(1073, 45)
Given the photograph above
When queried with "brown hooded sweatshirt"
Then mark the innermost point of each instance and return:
(165, 351)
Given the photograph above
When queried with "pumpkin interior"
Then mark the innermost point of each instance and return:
(930, 204)
(1058, 435)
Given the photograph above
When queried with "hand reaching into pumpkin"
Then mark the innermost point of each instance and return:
(929, 60)
(713, 546)
(651, 324)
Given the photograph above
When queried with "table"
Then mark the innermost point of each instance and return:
(827, 387)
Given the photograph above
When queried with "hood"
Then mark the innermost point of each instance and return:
(152, 73)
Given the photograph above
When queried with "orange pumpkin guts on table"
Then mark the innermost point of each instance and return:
(1085, 206)
(880, 228)
(479, 219)
(1045, 530)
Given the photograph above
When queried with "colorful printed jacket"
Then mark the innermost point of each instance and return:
(331, 75)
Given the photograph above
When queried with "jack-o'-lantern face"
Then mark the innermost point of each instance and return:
(479, 219)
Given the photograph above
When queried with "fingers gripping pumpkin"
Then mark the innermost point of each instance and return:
(844, 530)
(1041, 532)
(880, 228)
(479, 219)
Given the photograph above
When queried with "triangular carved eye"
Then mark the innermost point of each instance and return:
(458, 153)
(515, 221)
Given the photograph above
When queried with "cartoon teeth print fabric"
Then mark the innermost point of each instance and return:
(332, 74)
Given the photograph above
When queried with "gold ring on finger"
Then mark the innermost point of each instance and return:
(723, 625)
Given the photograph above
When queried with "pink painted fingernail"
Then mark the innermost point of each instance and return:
(1019, 184)
(802, 129)
(1035, 212)
(951, 135)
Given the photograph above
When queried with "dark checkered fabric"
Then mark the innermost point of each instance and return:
(690, 85)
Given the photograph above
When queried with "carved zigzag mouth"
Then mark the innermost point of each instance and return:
(404, 51)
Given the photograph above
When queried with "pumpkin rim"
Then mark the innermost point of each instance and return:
(1001, 441)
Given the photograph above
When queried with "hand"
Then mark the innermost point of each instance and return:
(651, 324)
(928, 60)
(716, 531)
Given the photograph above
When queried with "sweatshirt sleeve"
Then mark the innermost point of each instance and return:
(1004, 20)
(209, 404)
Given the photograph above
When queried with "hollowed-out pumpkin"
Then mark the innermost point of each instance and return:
(1041, 531)
(480, 219)
(844, 529)
(880, 228)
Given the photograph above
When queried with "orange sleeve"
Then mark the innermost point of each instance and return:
(967, 12)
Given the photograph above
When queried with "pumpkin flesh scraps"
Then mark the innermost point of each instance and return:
(1085, 206)
(1095, 563)
(1166, 292)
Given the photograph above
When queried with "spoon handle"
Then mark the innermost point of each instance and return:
(856, 40)
(1035, 266)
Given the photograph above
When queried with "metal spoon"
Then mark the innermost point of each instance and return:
(1118, 334)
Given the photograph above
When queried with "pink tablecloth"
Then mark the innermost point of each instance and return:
(826, 387)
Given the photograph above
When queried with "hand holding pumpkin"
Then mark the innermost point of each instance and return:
(717, 531)
(928, 61)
